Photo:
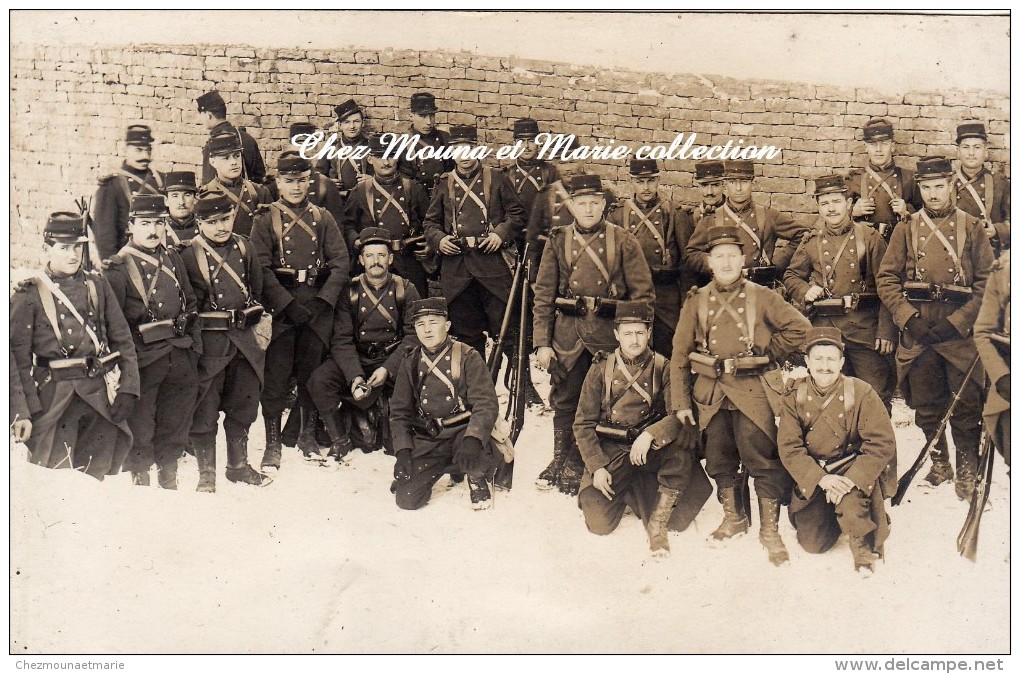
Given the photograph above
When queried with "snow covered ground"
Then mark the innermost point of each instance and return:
(323, 561)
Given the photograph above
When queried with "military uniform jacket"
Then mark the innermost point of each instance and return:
(113, 204)
(993, 318)
(254, 167)
(779, 329)
(550, 209)
(399, 207)
(687, 219)
(985, 196)
(423, 391)
(33, 337)
(760, 227)
(817, 425)
(569, 269)
(529, 178)
(844, 264)
(427, 171)
(367, 316)
(168, 294)
(179, 233)
(300, 237)
(247, 197)
(654, 226)
(883, 185)
(321, 191)
(459, 212)
(215, 290)
(346, 172)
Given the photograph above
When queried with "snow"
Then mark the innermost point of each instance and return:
(322, 561)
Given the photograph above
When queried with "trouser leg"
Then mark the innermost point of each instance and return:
(425, 472)
(815, 522)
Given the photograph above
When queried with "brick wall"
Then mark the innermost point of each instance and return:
(70, 105)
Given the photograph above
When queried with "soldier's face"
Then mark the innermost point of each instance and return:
(138, 156)
(726, 262)
(180, 203)
(645, 189)
(147, 233)
(227, 166)
(973, 153)
(833, 207)
(294, 187)
(64, 258)
(569, 169)
(376, 259)
(352, 125)
(465, 164)
(935, 193)
(431, 330)
(738, 190)
(218, 228)
(712, 193)
(384, 168)
(530, 150)
(588, 209)
(879, 151)
(423, 124)
(633, 338)
(824, 363)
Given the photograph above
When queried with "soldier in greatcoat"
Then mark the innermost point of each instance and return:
(978, 191)
(427, 171)
(225, 157)
(322, 191)
(883, 193)
(991, 338)
(708, 174)
(349, 172)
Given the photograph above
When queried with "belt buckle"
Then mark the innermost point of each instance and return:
(236, 318)
(729, 365)
(302, 276)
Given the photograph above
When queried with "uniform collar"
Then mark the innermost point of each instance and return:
(469, 176)
(825, 392)
(842, 228)
(439, 349)
(530, 163)
(945, 212)
(743, 209)
(237, 182)
(187, 223)
(649, 206)
(883, 169)
(154, 251)
(222, 125)
(357, 140)
(64, 277)
(141, 173)
(733, 287)
(640, 361)
(981, 172)
(598, 227)
(386, 281)
(213, 244)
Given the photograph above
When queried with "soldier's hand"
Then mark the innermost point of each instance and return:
(883, 346)
(363, 177)
(378, 377)
(990, 229)
(422, 252)
(491, 243)
(813, 293)
(603, 481)
(639, 450)
(685, 416)
(357, 391)
(863, 208)
(403, 468)
(835, 487)
(545, 356)
(448, 247)
(899, 207)
(21, 429)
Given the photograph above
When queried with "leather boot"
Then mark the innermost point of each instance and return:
(532, 398)
(238, 468)
(658, 523)
(941, 470)
(340, 444)
(734, 522)
(768, 534)
(481, 497)
(573, 468)
(548, 478)
(966, 470)
(306, 441)
(363, 421)
(864, 556)
(140, 478)
(205, 454)
(168, 474)
(274, 445)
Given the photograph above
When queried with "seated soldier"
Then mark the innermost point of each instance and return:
(372, 332)
(442, 412)
(837, 442)
(634, 454)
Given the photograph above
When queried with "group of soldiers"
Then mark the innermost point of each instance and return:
(361, 295)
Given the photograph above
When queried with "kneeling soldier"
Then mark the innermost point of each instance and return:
(837, 442)
(372, 332)
(227, 278)
(731, 334)
(67, 334)
(442, 412)
(620, 417)
(151, 285)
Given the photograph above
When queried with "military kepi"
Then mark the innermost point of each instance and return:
(301, 129)
(371, 235)
(463, 134)
(292, 163)
(643, 168)
(971, 130)
(830, 184)
(432, 306)
(223, 144)
(738, 169)
(346, 109)
(525, 129)
(933, 168)
(180, 181)
(376, 146)
(423, 103)
(816, 336)
(580, 185)
(210, 100)
(717, 236)
(148, 206)
(709, 171)
(631, 311)
(139, 134)
(211, 204)
(877, 129)
(65, 227)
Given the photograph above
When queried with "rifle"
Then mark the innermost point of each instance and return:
(496, 355)
(966, 542)
(91, 252)
(743, 492)
(908, 477)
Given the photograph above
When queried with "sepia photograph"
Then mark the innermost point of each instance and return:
(378, 332)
